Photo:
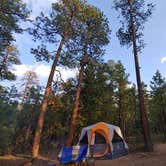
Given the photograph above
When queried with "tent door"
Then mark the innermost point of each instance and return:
(100, 147)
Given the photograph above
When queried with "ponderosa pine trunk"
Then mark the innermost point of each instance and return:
(28, 131)
(163, 118)
(164, 121)
(124, 122)
(76, 105)
(20, 106)
(120, 110)
(162, 124)
(121, 113)
(143, 114)
(35, 149)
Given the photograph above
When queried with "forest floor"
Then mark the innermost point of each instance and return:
(156, 158)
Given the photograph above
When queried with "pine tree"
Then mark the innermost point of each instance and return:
(130, 34)
(8, 58)
(158, 94)
(121, 79)
(93, 36)
(28, 81)
(12, 12)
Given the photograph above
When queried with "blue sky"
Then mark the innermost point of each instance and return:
(153, 57)
(154, 37)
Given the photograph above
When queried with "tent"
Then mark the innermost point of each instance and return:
(103, 140)
(72, 154)
(100, 140)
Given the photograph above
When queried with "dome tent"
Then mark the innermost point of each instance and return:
(103, 139)
(100, 140)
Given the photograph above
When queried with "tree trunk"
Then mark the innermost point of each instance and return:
(75, 110)
(162, 125)
(35, 149)
(120, 110)
(163, 118)
(143, 114)
(20, 105)
(28, 131)
(123, 119)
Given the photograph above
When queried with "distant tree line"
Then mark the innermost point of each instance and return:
(107, 95)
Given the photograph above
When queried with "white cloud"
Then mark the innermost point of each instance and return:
(19, 70)
(43, 71)
(38, 6)
(66, 73)
(163, 59)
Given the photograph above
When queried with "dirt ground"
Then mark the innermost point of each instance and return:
(156, 158)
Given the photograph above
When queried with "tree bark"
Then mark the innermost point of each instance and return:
(143, 114)
(35, 149)
(121, 113)
(75, 110)
(163, 118)
(120, 109)
(162, 125)
(28, 131)
(20, 106)
(123, 121)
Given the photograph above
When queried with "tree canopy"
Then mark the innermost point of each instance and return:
(12, 12)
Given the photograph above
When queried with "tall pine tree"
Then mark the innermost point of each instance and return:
(134, 14)
(88, 48)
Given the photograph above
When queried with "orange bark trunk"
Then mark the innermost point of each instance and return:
(35, 149)
(75, 110)
(144, 118)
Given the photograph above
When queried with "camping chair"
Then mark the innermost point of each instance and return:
(66, 155)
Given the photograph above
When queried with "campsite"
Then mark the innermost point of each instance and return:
(82, 83)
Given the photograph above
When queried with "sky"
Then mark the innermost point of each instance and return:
(153, 57)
